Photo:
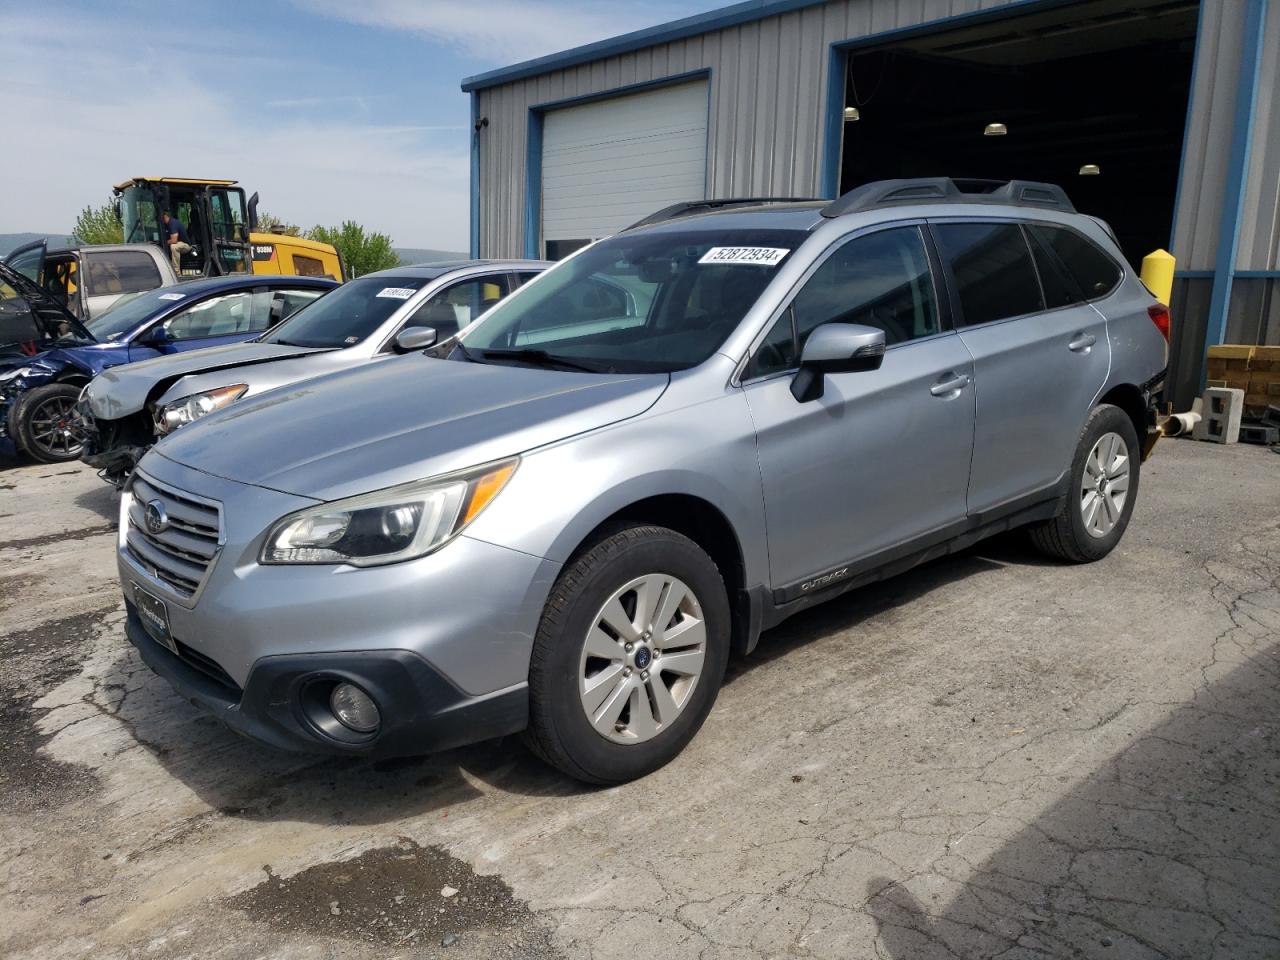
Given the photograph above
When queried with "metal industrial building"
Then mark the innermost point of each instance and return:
(1173, 102)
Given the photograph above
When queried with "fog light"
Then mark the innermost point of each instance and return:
(354, 708)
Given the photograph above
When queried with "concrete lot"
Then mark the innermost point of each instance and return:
(990, 756)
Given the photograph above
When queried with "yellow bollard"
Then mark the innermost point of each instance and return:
(1157, 274)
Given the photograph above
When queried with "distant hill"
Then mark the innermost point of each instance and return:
(12, 241)
(410, 255)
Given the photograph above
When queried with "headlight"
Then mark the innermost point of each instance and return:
(182, 411)
(14, 374)
(387, 526)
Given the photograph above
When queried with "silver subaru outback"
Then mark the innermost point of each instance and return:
(637, 463)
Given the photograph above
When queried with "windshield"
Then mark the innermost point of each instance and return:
(347, 315)
(126, 314)
(139, 215)
(635, 303)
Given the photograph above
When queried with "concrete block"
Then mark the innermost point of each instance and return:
(1220, 416)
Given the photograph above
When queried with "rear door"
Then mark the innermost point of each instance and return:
(1040, 357)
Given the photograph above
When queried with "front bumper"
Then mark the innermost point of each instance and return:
(446, 638)
(421, 711)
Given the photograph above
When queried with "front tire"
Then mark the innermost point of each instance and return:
(1103, 489)
(44, 420)
(629, 656)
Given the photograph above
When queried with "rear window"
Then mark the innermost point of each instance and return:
(1094, 272)
(123, 271)
(991, 262)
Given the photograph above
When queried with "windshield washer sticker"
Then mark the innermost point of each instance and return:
(172, 296)
(755, 256)
(397, 293)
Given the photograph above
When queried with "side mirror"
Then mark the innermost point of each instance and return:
(414, 338)
(836, 348)
(154, 336)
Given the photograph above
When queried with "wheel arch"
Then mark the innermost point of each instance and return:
(1130, 399)
(706, 525)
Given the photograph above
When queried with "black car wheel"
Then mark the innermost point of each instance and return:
(45, 423)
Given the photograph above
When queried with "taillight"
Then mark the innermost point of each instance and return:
(1159, 315)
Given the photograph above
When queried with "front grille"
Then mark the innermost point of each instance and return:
(181, 554)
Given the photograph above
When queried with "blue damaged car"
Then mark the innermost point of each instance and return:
(47, 356)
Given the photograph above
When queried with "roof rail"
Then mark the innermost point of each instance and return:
(949, 190)
(689, 207)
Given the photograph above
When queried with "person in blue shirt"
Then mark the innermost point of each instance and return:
(175, 240)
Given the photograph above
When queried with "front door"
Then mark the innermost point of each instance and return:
(1037, 371)
(882, 458)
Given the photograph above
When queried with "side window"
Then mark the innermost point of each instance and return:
(305, 266)
(878, 280)
(221, 316)
(1095, 273)
(1059, 288)
(123, 271)
(523, 277)
(452, 308)
(992, 266)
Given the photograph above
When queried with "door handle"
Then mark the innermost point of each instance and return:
(944, 388)
(1082, 342)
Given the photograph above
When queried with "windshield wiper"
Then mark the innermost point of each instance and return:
(539, 358)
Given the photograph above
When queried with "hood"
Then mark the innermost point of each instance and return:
(409, 418)
(264, 374)
(123, 390)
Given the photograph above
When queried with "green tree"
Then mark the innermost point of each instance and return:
(98, 225)
(361, 252)
(269, 223)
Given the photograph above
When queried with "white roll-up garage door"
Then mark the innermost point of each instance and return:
(609, 163)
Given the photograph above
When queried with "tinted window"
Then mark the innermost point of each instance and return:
(992, 266)
(454, 307)
(350, 313)
(646, 301)
(119, 272)
(1059, 289)
(880, 280)
(291, 301)
(305, 266)
(1095, 272)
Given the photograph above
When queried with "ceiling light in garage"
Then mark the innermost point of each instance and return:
(995, 130)
(851, 113)
(1090, 170)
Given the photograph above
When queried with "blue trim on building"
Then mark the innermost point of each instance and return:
(1224, 266)
(833, 145)
(1258, 275)
(533, 144)
(1186, 123)
(475, 176)
(693, 26)
(1193, 274)
(533, 185)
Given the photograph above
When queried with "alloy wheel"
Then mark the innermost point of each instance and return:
(1104, 488)
(641, 658)
(53, 427)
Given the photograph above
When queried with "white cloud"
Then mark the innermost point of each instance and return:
(84, 99)
(500, 31)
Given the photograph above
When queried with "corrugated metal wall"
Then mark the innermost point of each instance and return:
(768, 105)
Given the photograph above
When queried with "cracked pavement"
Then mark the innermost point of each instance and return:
(990, 756)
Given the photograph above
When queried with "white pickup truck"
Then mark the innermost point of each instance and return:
(91, 278)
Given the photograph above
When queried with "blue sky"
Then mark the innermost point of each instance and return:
(330, 109)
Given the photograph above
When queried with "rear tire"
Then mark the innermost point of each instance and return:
(1103, 487)
(629, 656)
(43, 420)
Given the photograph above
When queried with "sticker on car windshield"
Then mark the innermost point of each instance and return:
(397, 293)
(172, 296)
(755, 256)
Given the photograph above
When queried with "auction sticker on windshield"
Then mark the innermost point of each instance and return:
(172, 296)
(397, 293)
(755, 256)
